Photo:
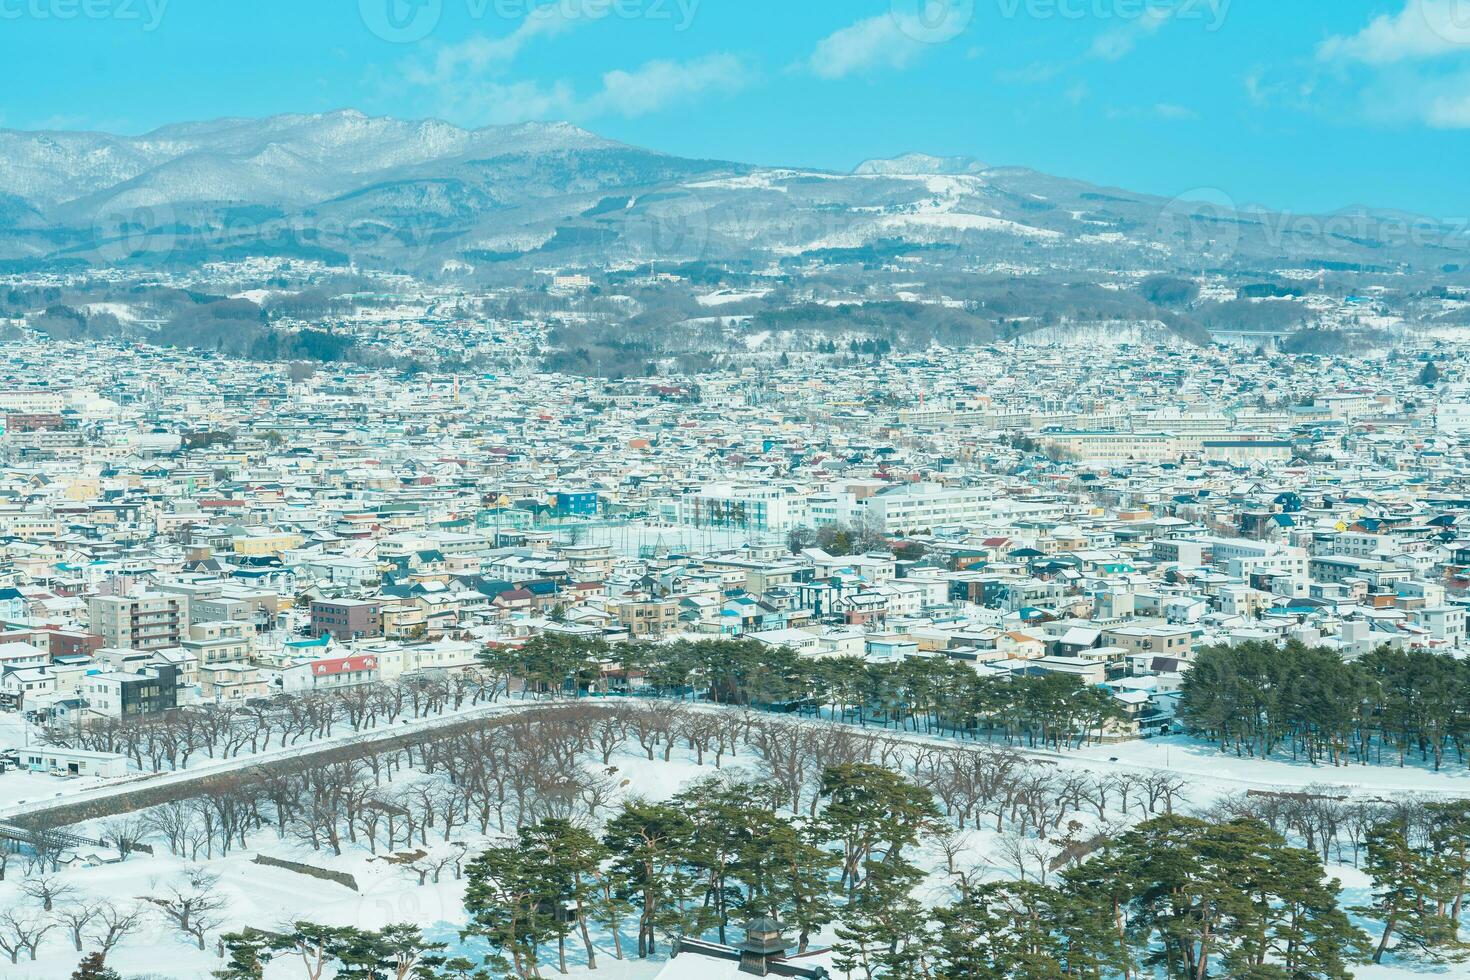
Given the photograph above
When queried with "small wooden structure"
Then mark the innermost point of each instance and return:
(761, 954)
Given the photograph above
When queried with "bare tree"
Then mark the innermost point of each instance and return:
(22, 931)
(127, 832)
(1029, 857)
(76, 916)
(174, 822)
(46, 889)
(192, 904)
(952, 843)
(1161, 788)
(113, 923)
(610, 731)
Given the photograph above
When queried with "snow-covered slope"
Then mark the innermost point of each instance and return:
(920, 163)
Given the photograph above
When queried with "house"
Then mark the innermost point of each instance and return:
(22, 687)
(74, 762)
(330, 672)
(646, 617)
(347, 619)
(152, 689)
(224, 683)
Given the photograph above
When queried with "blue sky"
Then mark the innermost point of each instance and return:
(1305, 105)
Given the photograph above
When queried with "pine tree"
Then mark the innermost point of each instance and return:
(568, 860)
(93, 967)
(870, 809)
(400, 951)
(1198, 896)
(1003, 930)
(648, 842)
(248, 951)
(1406, 888)
(503, 899)
(319, 947)
(882, 930)
(1295, 919)
(797, 877)
(1449, 838)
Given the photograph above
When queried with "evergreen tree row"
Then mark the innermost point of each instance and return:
(934, 695)
(1389, 706)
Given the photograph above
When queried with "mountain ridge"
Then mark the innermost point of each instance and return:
(415, 194)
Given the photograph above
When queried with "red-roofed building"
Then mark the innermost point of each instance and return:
(331, 672)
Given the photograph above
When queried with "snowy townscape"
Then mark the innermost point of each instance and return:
(896, 656)
(698, 489)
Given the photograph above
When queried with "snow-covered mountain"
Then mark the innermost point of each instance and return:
(418, 193)
(920, 163)
(291, 158)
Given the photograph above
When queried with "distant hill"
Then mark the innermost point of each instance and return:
(417, 194)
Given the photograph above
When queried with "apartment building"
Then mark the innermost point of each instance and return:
(120, 694)
(920, 506)
(347, 619)
(220, 642)
(331, 672)
(758, 506)
(647, 617)
(147, 621)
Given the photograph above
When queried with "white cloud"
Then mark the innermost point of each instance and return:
(651, 87)
(1440, 103)
(877, 42)
(1118, 43)
(468, 79)
(479, 54)
(1448, 112)
(658, 84)
(1034, 73)
(1410, 75)
(497, 103)
(1168, 110)
(1424, 29)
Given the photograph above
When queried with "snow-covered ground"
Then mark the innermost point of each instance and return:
(18, 788)
(268, 897)
(1217, 772)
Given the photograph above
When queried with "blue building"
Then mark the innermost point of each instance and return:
(574, 503)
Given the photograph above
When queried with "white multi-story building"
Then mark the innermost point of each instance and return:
(1452, 414)
(1243, 558)
(921, 506)
(757, 506)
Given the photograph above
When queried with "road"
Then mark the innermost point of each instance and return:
(137, 792)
